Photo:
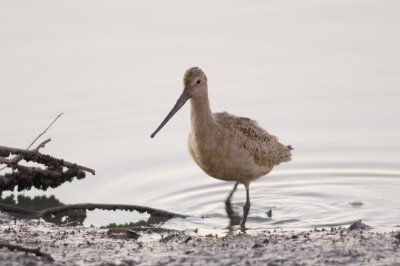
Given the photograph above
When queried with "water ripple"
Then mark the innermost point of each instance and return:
(301, 198)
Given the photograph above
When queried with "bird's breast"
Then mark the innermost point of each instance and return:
(222, 156)
(211, 153)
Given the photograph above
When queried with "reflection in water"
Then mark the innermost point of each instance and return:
(299, 199)
(234, 217)
(51, 210)
(39, 203)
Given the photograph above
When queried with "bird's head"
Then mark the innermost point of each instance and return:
(194, 82)
(195, 85)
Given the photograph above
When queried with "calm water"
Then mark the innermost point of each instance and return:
(323, 76)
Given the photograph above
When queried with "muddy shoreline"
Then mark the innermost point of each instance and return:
(94, 246)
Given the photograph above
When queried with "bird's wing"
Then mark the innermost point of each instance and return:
(265, 148)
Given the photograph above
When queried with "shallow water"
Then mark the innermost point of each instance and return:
(324, 77)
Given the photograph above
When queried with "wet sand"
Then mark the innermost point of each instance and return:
(94, 246)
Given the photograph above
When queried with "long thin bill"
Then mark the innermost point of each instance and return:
(179, 103)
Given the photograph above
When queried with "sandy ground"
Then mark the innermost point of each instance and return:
(93, 246)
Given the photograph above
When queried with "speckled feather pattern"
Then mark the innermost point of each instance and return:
(264, 147)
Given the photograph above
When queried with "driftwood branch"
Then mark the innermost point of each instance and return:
(35, 251)
(25, 177)
(52, 210)
(26, 207)
(123, 207)
(89, 206)
(19, 210)
(16, 159)
(35, 156)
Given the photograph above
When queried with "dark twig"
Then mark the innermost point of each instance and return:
(35, 251)
(18, 158)
(41, 145)
(41, 134)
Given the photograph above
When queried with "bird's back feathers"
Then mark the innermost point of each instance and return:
(264, 147)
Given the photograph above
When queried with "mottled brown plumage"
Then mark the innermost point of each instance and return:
(265, 148)
(225, 146)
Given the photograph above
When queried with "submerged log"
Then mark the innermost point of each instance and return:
(89, 206)
(52, 210)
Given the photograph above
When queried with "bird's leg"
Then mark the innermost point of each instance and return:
(246, 207)
(228, 205)
(233, 216)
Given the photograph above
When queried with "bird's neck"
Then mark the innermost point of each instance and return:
(201, 116)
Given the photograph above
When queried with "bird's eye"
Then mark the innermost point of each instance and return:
(198, 81)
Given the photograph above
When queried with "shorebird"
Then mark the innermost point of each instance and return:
(225, 146)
